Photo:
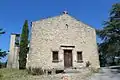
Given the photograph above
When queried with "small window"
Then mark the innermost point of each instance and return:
(79, 57)
(55, 56)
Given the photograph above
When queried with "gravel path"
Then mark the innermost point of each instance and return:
(83, 75)
(106, 74)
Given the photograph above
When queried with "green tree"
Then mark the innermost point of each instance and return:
(23, 46)
(1, 31)
(110, 34)
(2, 53)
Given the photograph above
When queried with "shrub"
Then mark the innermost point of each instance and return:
(1, 76)
(29, 70)
(88, 64)
(94, 70)
(35, 71)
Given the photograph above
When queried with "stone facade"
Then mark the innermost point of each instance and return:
(58, 34)
(13, 55)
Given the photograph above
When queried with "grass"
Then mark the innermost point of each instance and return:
(15, 74)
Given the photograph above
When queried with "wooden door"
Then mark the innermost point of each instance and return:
(67, 58)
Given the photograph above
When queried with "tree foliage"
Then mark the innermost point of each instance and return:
(2, 53)
(23, 46)
(1, 31)
(110, 34)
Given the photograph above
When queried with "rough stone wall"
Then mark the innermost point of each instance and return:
(49, 34)
(13, 54)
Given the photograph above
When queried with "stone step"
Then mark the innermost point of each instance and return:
(73, 70)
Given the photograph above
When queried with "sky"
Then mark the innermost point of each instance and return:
(14, 12)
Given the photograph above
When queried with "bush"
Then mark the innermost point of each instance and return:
(94, 70)
(88, 64)
(29, 70)
(35, 71)
(1, 76)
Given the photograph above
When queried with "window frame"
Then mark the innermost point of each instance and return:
(79, 57)
(53, 58)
